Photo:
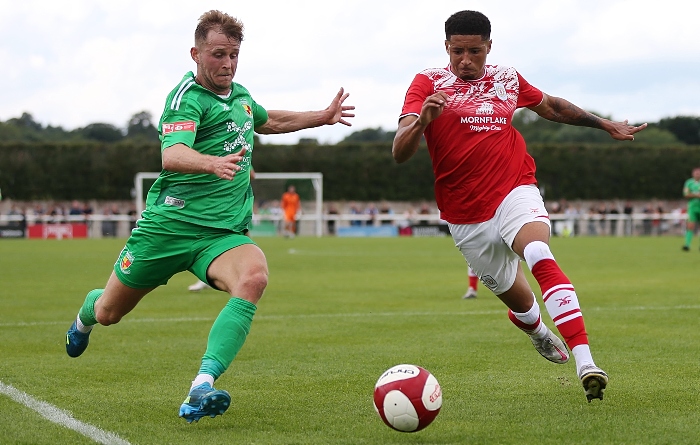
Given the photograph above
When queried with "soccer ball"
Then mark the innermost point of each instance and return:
(407, 398)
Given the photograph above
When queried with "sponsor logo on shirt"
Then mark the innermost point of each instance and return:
(484, 123)
(231, 126)
(483, 120)
(179, 126)
(179, 203)
(485, 108)
(240, 141)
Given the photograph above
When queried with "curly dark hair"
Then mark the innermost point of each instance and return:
(230, 26)
(468, 23)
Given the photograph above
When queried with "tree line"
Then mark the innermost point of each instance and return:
(100, 161)
(142, 127)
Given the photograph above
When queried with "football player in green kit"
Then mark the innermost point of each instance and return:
(691, 192)
(198, 212)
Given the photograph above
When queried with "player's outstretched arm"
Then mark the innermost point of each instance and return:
(557, 109)
(280, 121)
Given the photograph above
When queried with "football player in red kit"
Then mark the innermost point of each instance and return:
(485, 184)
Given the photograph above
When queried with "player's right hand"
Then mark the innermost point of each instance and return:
(227, 166)
(433, 107)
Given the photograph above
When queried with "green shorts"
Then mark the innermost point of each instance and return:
(159, 247)
(694, 213)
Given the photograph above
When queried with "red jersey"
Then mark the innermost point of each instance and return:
(478, 157)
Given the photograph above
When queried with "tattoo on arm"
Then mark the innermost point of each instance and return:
(567, 113)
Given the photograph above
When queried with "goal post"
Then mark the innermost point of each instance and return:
(281, 179)
(142, 183)
(144, 180)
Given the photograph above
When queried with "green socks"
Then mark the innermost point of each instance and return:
(87, 312)
(227, 335)
(226, 338)
(688, 237)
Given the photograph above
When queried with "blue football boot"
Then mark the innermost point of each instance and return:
(76, 341)
(203, 400)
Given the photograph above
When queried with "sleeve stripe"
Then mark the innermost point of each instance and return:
(175, 104)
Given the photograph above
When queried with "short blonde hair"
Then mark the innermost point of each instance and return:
(230, 26)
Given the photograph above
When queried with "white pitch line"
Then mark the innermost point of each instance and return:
(352, 315)
(61, 417)
(22, 324)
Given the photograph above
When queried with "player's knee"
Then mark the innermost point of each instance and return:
(106, 317)
(255, 282)
(535, 252)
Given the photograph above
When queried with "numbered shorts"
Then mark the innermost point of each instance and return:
(486, 246)
(158, 248)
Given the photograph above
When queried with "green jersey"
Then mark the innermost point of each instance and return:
(692, 186)
(212, 125)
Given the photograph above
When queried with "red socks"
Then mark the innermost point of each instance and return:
(558, 294)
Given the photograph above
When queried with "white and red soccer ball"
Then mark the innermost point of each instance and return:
(407, 398)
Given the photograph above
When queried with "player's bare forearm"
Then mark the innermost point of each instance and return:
(407, 139)
(183, 159)
(289, 121)
(279, 121)
(411, 127)
(560, 110)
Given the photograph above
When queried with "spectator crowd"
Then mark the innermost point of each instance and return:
(591, 218)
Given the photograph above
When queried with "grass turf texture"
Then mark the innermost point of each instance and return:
(336, 314)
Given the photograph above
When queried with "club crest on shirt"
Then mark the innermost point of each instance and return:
(246, 108)
(500, 90)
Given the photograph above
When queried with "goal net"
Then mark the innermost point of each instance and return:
(268, 189)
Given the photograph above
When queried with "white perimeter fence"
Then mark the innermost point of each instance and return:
(636, 224)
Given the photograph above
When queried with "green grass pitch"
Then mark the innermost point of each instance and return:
(336, 314)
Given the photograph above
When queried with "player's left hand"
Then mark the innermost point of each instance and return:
(337, 111)
(622, 131)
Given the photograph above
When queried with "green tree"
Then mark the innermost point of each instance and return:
(26, 129)
(140, 126)
(685, 128)
(101, 132)
(26, 121)
(371, 135)
(655, 135)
